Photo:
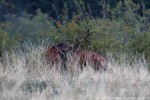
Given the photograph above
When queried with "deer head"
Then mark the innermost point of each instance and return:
(62, 47)
(77, 45)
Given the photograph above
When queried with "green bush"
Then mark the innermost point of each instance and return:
(31, 27)
(7, 43)
(123, 31)
(3, 39)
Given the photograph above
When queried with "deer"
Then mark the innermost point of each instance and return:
(58, 53)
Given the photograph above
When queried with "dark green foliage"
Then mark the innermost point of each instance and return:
(56, 8)
(119, 26)
(38, 26)
(8, 42)
(147, 3)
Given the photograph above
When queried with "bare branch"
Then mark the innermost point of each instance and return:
(77, 45)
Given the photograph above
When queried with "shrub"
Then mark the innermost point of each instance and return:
(125, 30)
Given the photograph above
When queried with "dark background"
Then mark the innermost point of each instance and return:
(55, 8)
(118, 25)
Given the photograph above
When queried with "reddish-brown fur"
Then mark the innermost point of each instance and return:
(92, 57)
(53, 55)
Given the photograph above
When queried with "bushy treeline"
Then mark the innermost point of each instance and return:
(126, 31)
(57, 8)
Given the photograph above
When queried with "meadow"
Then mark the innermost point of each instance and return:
(120, 33)
(27, 76)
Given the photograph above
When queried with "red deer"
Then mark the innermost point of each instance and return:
(59, 53)
(94, 58)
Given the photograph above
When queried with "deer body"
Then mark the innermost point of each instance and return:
(93, 58)
(58, 54)
(52, 56)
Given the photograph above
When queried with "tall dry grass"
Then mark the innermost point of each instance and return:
(27, 76)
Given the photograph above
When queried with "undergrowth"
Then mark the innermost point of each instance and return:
(27, 76)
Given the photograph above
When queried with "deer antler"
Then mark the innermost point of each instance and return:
(77, 45)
